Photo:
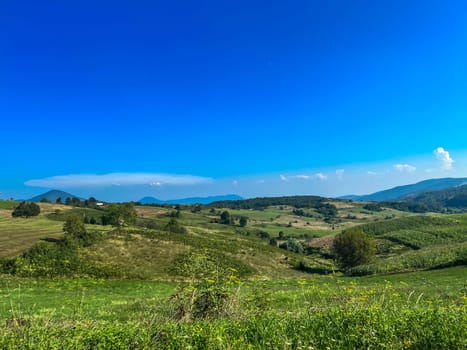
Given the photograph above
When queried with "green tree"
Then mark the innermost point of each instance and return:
(26, 210)
(243, 221)
(225, 218)
(120, 215)
(75, 231)
(353, 248)
(58, 200)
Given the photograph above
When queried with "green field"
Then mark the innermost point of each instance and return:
(416, 310)
(220, 286)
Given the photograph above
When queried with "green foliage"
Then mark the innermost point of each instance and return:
(373, 207)
(75, 231)
(431, 258)
(243, 221)
(174, 227)
(120, 215)
(26, 210)
(353, 248)
(293, 245)
(209, 294)
(262, 203)
(225, 218)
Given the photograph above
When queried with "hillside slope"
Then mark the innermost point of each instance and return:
(400, 192)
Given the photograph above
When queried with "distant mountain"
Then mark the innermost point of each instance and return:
(454, 197)
(407, 191)
(192, 200)
(52, 196)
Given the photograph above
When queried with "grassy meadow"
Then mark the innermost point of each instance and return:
(218, 286)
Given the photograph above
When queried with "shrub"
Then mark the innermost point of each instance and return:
(75, 231)
(26, 210)
(353, 248)
(174, 227)
(293, 245)
(209, 293)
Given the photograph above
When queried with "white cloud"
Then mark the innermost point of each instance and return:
(119, 179)
(321, 176)
(302, 177)
(442, 155)
(372, 173)
(234, 182)
(283, 178)
(407, 168)
(340, 174)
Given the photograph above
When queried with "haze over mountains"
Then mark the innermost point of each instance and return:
(191, 200)
(432, 193)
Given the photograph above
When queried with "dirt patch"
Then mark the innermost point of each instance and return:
(148, 212)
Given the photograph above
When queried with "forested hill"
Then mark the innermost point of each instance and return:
(264, 202)
(455, 197)
(400, 192)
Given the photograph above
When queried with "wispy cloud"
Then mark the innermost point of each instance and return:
(117, 179)
(321, 176)
(444, 157)
(293, 177)
(404, 168)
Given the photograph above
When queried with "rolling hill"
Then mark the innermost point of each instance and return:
(402, 192)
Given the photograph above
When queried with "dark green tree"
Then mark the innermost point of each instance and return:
(243, 221)
(26, 210)
(226, 218)
(353, 248)
(58, 200)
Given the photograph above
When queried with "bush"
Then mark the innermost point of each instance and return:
(174, 227)
(26, 210)
(75, 231)
(292, 245)
(353, 248)
(209, 294)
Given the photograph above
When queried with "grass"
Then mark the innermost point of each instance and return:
(417, 310)
(273, 306)
(19, 234)
(8, 204)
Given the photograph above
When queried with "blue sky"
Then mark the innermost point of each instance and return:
(120, 99)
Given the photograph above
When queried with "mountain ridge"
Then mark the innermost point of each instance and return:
(399, 192)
